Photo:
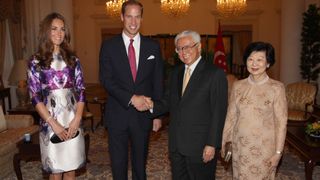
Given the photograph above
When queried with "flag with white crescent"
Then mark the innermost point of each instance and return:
(219, 58)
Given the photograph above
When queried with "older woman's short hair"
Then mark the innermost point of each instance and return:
(260, 46)
(195, 36)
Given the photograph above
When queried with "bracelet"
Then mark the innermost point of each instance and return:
(49, 118)
(278, 152)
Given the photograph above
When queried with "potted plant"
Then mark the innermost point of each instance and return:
(313, 129)
(310, 54)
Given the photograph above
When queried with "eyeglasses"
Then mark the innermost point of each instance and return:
(185, 48)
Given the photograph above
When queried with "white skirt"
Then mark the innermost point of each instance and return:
(68, 155)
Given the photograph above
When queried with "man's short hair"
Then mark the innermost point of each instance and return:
(195, 36)
(129, 3)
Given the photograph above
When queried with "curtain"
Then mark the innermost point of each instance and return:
(14, 12)
(2, 44)
(16, 40)
(241, 40)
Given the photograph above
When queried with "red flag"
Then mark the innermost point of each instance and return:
(219, 54)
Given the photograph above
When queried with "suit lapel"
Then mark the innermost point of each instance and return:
(124, 59)
(141, 58)
(123, 51)
(180, 79)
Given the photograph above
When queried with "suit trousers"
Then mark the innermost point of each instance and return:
(191, 168)
(118, 149)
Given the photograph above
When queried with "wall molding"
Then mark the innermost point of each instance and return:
(255, 12)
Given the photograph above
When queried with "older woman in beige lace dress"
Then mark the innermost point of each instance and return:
(257, 118)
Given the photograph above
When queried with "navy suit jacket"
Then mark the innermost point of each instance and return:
(196, 118)
(115, 76)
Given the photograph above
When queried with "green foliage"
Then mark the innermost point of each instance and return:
(310, 54)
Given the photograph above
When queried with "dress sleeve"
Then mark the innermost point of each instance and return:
(231, 117)
(79, 83)
(34, 83)
(281, 117)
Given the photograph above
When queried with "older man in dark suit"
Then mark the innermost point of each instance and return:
(130, 66)
(197, 102)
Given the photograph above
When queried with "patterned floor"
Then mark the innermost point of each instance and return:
(158, 164)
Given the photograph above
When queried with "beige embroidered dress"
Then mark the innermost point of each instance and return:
(256, 125)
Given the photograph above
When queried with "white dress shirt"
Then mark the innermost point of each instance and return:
(136, 45)
(192, 67)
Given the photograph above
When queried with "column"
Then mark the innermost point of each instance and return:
(65, 8)
(291, 24)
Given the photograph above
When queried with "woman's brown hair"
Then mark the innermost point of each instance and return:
(46, 47)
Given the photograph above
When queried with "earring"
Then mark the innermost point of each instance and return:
(268, 65)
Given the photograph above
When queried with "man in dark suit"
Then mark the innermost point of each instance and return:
(197, 101)
(130, 66)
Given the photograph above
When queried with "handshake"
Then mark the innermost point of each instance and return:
(141, 103)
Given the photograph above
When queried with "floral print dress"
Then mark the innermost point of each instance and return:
(256, 125)
(59, 88)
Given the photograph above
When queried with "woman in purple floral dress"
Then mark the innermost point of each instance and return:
(57, 92)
